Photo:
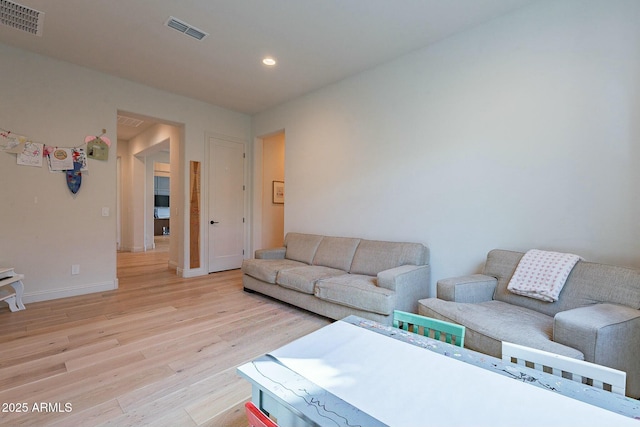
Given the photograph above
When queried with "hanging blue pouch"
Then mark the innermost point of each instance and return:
(74, 177)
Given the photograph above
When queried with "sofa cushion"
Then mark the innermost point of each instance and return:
(374, 256)
(267, 269)
(587, 284)
(357, 291)
(301, 247)
(491, 322)
(590, 283)
(336, 252)
(303, 279)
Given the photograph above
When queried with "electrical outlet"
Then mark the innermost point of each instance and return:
(75, 269)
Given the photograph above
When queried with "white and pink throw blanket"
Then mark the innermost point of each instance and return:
(542, 274)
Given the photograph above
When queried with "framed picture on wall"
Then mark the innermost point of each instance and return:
(278, 192)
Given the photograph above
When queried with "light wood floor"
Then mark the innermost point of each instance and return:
(160, 350)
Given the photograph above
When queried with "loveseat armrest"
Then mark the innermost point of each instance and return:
(605, 334)
(410, 283)
(472, 288)
(271, 253)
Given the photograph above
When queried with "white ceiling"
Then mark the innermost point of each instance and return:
(316, 42)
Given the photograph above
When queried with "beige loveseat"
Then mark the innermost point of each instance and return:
(596, 317)
(339, 276)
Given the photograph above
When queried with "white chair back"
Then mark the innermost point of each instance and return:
(577, 370)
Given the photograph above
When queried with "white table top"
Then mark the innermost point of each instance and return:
(405, 385)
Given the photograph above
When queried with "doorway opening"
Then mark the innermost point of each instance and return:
(148, 175)
(273, 185)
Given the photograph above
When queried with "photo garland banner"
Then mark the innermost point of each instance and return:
(94, 147)
(70, 161)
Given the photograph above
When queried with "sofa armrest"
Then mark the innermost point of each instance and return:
(469, 289)
(410, 283)
(605, 333)
(271, 253)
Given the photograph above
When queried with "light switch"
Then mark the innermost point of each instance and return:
(105, 211)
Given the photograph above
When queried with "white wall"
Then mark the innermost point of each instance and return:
(59, 104)
(521, 133)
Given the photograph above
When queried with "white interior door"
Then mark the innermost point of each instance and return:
(226, 204)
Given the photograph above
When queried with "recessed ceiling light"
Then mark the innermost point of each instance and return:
(269, 61)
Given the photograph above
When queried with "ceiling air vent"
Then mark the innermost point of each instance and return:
(21, 17)
(129, 121)
(185, 28)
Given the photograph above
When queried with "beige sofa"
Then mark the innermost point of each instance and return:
(339, 276)
(596, 317)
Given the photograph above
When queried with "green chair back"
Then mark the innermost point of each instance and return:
(432, 328)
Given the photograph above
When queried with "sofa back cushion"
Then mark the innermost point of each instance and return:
(588, 283)
(373, 256)
(301, 247)
(594, 283)
(336, 252)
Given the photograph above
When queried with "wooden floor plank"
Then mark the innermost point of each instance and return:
(19, 350)
(227, 393)
(138, 398)
(91, 416)
(232, 417)
(160, 350)
(68, 382)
